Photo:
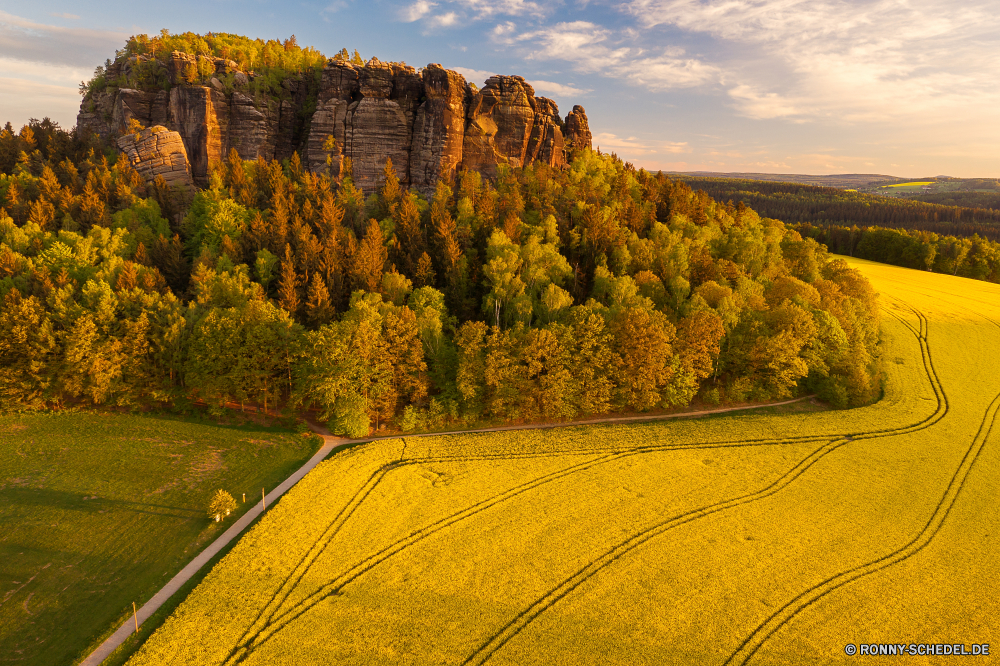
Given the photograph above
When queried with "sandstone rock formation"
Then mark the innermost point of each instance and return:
(429, 123)
(439, 128)
(578, 129)
(157, 152)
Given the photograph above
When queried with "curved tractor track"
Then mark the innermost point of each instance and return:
(781, 617)
(272, 618)
(495, 642)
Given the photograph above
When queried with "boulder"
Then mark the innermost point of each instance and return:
(157, 152)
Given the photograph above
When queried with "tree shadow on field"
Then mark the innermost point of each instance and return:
(36, 498)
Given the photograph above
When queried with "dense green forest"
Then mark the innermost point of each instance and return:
(973, 257)
(964, 199)
(821, 206)
(546, 294)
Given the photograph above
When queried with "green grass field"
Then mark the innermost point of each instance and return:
(98, 511)
(763, 538)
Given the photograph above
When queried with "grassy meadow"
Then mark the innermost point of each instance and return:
(100, 510)
(772, 537)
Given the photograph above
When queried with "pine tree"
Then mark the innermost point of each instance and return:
(127, 277)
(319, 310)
(369, 259)
(410, 234)
(424, 276)
(390, 193)
(288, 294)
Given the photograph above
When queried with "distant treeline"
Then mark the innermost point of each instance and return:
(974, 257)
(962, 198)
(545, 294)
(793, 203)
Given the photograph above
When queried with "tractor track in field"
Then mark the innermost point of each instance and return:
(252, 639)
(495, 642)
(780, 618)
(786, 613)
(246, 644)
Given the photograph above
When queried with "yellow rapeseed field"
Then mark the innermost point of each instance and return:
(774, 538)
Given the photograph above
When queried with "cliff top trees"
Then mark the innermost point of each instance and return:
(548, 294)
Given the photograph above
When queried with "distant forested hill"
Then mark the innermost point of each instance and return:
(822, 206)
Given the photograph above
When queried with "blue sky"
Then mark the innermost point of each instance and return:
(902, 87)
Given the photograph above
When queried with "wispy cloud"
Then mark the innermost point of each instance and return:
(594, 49)
(460, 13)
(558, 89)
(445, 20)
(23, 39)
(846, 60)
(416, 11)
(477, 76)
(635, 147)
(21, 99)
(71, 17)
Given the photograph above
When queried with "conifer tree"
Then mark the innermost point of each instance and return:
(319, 310)
(369, 260)
(288, 293)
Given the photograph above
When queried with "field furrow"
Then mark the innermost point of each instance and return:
(605, 544)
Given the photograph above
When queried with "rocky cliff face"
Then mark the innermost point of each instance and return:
(429, 123)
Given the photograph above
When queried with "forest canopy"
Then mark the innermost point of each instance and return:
(821, 206)
(543, 295)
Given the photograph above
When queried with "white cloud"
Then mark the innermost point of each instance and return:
(44, 72)
(558, 89)
(442, 20)
(756, 104)
(592, 48)
(21, 99)
(477, 76)
(502, 30)
(847, 60)
(71, 17)
(464, 12)
(486, 8)
(635, 147)
(23, 39)
(416, 11)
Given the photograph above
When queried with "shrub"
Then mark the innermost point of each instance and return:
(222, 505)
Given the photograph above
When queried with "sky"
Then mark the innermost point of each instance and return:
(901, 87)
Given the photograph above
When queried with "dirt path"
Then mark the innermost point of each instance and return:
(116, 639)
(329, 443)
(594, 421)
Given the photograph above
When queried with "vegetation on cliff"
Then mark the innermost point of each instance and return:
(547, 294)
(144, 62)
